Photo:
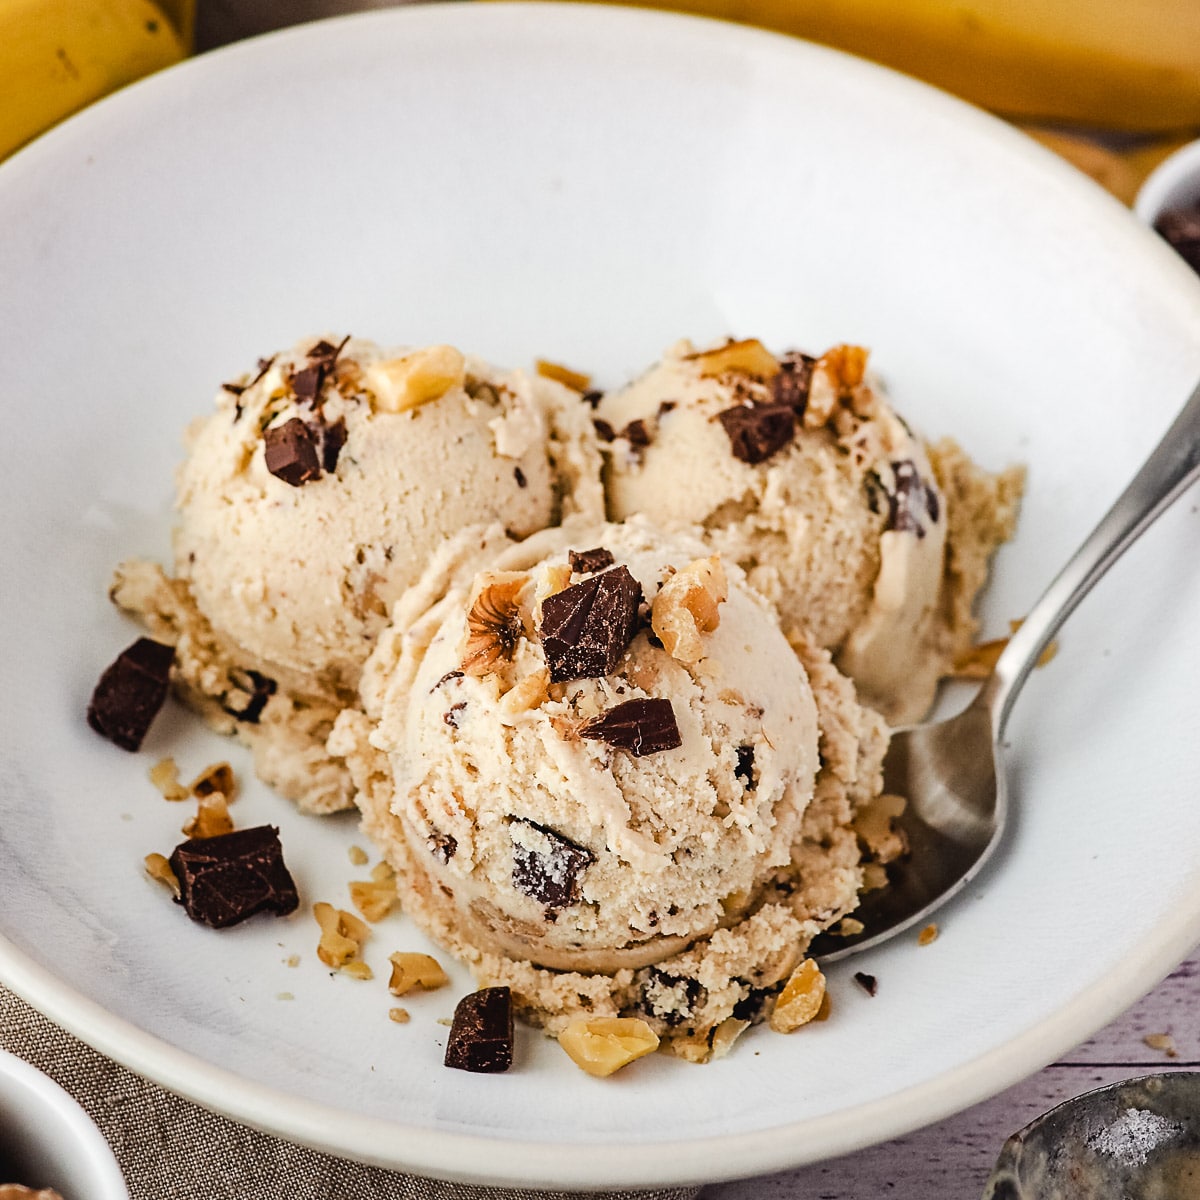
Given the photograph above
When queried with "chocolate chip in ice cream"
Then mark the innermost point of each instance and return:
(225, 879)
(586, 627)
(636, 433)
(792, 384)
(586, 562)
(911, 501)
(290, 451)
(549, 869)
(519, 476)
(640, 726)
(757, 431)
(306, 384)
(332, 438)
(604, 431)
(745, 766)
(130, 692)
(442, 846)
(256, 689)
(672, 999)
(481, 1036)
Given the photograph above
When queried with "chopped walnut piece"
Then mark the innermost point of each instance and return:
(838, 372)
(800, 1000)
(415, 970)
(551, 580)
(980, 660)
(398, 1015)
(602, 1045)
(875, 827)
(849, 927)
(726, 1034)
(1163, 1042)
(357, 969)
(342, 935)
(528, 693)
(398, 384)
(212, 818)
(165, 776)
(747, 357)
(874, 877)
(357, 855)
(217, 778)
(927, 935)
(573, 379)
(157, 867)
(688, 605)
(495, 621)
(375, 898)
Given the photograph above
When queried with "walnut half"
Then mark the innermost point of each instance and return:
(495, 621)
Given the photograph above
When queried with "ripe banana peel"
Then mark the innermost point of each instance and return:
(56, 56)
(1113, 64)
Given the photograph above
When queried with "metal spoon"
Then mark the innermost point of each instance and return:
(952, 772)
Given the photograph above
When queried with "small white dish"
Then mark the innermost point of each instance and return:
(48, 1141)
(1174, 183)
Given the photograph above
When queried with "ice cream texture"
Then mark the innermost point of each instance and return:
(798, 469)
(606, 780)
(312, 497)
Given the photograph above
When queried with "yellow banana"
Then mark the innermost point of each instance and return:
(58, 55)
(1115, 64)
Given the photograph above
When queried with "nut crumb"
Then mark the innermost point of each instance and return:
(157, 867)
(928, 935)
(1162, 1041)
(342, 936)
(284, 996)
(415, 970)
(376, 897)
(849, 927)
(165, 776)
(528, 693)
(978, 661)
(447, 1021)
(602, 1045)
(400, 384)
(398, 1015)
(688, 605)
(575, 380)
(358, 856)
(357, 969)
(292, 960)
(212, 818)
(217, 778)
(801, 998)
(747, 357)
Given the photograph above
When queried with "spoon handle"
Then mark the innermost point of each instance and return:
(1166, 474)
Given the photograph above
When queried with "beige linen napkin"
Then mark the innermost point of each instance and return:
(170, 1149)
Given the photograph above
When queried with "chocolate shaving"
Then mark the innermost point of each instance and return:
(640, 726)
(592, 398)
(451, 715)
(636, 434)
(130, 693)
(586, 627)
(519, 476)
(442, 846)
(225, 879)
(868, 983)
(604, 431)
(449, 675)
(290, 451)
(481, 1035)
(325, 352)
(586, 562)
(909, 502)
(745, 766)
(258, 688)
(665, 407)
(791, 386)
(757, 431)
(333, 438)
(551, 878)
(234, 389)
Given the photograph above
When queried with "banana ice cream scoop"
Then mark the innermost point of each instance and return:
(799, 470)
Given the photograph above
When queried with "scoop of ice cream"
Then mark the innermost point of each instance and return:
(601, 746)
(320, 486)
(799, 470)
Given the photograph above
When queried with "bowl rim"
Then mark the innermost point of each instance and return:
(1175, 180)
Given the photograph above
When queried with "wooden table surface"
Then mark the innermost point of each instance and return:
(951, 1160)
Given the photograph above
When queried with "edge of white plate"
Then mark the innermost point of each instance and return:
(475, 1159)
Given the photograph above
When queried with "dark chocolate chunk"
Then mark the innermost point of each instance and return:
(908, 500)
(791, 385)
(551, 878)
(451, 715)
(519, 476)
(592, 398)
(291, 452)
(868, 983)
(225, 879)
(586, 627)
(665, 407)
(325, 352)
(130, 692)
(757, 431)
(333, 438)
(745, 766)
(604, 431)
(640, 726)
(585, 562)
(307, 383)
(672, 999)
(1181, 227)
(449, 675)
(481, 1037)
(636, 433)
(752, 1006)
(442, 846)
(257, 688)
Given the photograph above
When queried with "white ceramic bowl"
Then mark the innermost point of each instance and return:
(47, 1140)
(1174, 183)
